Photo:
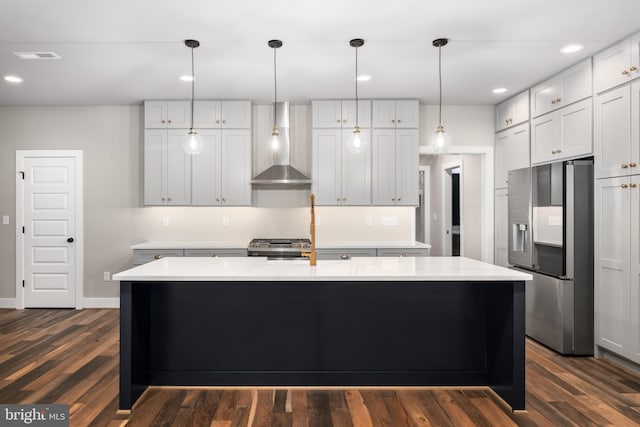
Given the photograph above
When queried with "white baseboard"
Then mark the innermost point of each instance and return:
(7, 303)
(100, 302)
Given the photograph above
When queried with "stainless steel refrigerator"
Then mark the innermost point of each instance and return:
(551, 236)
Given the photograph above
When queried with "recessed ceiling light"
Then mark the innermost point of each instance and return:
(13, 79)
(364, 78)
(37, 55)
(500, 90)
(572, 48)
(186, 78)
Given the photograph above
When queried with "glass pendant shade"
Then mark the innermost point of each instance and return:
(440, 140)
(192, 143)
(275, 139)
(357, 144)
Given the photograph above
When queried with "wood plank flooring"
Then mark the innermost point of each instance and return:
(69, 356)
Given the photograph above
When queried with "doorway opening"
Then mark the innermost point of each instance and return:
(452, 205)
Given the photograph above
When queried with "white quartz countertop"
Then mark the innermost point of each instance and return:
(355, 269)
(243, 245)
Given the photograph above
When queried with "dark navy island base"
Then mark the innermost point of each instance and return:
(348, 333)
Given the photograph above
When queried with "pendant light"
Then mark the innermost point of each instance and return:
(357, 144)
(275, 134)
(192, 143)
(440, 140)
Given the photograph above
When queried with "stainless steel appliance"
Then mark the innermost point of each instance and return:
(551, 237)
(279, 248)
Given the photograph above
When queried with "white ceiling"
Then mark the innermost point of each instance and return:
(118, 52)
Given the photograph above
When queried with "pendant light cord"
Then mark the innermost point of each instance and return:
(356, 87)
(440, 84)
(275, 86)
(193, 80)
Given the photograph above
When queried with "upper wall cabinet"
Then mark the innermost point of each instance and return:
(395, 159)
(564, 134)
(567, 87)
(403, 113)
(513, 111)
(222, 114)
(341, 113)
(167, 168)
(511, 152)
(167, 114)
(617, 132)
(617, 65)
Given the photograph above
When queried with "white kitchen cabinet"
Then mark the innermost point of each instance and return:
(143, 256)
(345, 254)
(562, 134)
(390, 113)
(217, 252)
(616, 65)
(501, 228)
(565, 88)
(340, 177)
(221, 174)
(167, 168)
(395, 157)
(402, 252)
(612, 130)
(513, 111)
(222, 115)
(167, 114)
(616, 282)
(511, 152)
(340, 113)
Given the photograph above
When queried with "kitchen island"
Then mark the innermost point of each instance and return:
(426, 321)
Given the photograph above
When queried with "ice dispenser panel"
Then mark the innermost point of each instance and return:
(519, 236)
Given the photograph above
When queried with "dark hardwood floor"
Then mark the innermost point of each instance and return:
(68, 356)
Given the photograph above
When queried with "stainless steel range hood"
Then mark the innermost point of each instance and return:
(281, 172)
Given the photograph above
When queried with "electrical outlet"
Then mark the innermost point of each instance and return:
(317, 220)
(106, 276)
(5, 219)
(369, 220)
(165, 221)
(225, 221)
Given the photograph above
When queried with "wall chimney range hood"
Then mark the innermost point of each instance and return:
(281, 172)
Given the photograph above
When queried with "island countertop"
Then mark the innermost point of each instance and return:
(355, 269)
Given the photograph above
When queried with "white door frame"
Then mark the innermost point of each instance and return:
(426, 203)
(21, 155)
(447, 213)
(487, 195)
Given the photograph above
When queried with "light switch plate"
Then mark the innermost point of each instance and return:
(369, 220)
(225, 221)
(5, 219)
(165, 221)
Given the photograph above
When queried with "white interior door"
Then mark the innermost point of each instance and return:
(48, 204)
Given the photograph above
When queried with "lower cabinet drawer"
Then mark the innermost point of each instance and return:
(344, 253)
(142, 256)
(231, 252)
(412, 252)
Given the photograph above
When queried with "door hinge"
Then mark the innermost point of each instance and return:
(23, 229)
(23, 283)
(21, 173)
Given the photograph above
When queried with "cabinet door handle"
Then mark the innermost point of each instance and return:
(554, 152)
(632, 185)
(344, 256)
(402, 255)
(625, 72)
(344, 120)
(553, 101)
(214, 256)
(624, 186)
(338, 121)
(157, 256)
(558, 151)
(558, 100)
(632, 165)
(338, 199)
(623, 166)
(399, 199)
(162, 199)
(393, 121)
(506, 122)
(162, 121)
(168, 199)
(344, 199)
(217, 199)
(399, 120)
(218, 122)
(224, 200)
(633, 68)
(224, 121)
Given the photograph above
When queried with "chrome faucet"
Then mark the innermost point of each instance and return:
(313, 258)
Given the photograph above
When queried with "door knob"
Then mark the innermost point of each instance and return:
(70, 240)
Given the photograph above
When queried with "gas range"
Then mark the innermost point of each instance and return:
(278, 248)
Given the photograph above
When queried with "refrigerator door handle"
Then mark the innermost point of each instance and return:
(569, 219)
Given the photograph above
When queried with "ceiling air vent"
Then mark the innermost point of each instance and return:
(36, 55)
